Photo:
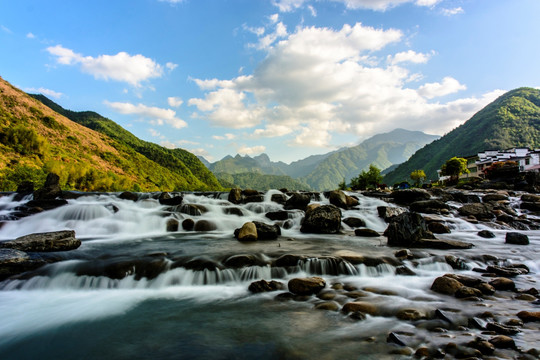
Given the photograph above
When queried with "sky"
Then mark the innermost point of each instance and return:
(290, 78)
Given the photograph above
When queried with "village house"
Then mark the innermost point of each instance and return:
(527, 159)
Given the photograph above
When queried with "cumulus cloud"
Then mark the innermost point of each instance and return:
(30, 36)
(174, 101)
(448, 86)
(6, 29)
(452, 12)
(171, 66)
(47, 92)
(155, 115)
(246, 150)
(378, 5)
(227, 136)
(318, 82)
(123, 67)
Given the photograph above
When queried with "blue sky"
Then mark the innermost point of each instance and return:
(290, 78)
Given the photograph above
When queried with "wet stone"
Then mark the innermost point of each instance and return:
(328, 305)
(265, 286)
(502, 329)
(503, 342)
(486, 234)
(306, 286)
(516, 238)
(529, 316)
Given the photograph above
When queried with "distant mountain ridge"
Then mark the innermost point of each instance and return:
(512, 120)
(90, 154)
(326, 171)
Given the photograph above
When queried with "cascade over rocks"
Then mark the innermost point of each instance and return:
(167, 199)
(406, 229)
(342, 200)
(127, 195)
(480, 211)
(431, 206)
(266, 231)
(235, 196)
(265, 286)
(325, 219)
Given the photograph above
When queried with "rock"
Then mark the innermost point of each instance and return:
(297, 201)
(441, 244)
(486, 289)
(408, 196)
(502, 283)
(404, 270)
(278, 198)
(44, 242)
(502, 329)
(360, 306)
(265, 286)
(288, 260)
(438, 228)
(354, 222)
(240, 261)
(172, 225)
(467, 292)
(233, 211)
(516, 238)
(410, 314)
(395, 339)
(531, 206)
(365, 232)
(465, 198)
(431, 206)
(188, 224)
(127, 195)
(328, 305)
(24, 189)
(529, 316)
(306, 286)
(267, 232)
(456, 263)
(166, 199)
(403, 254)
(339, 199)
(527, 197)
(484, 346)
(277, 215)
(325, 219)
(235, 196)
(503, 342)
(504, 271)
(248, 232)
(193, 209)
(387, 212)
(204, 225)
(13, 262)
(480, 211)
(462, 352)
(250, 192)
(494, 197)
(446, 285)
(486, 234)
(51, 188)
(253, 199)
(45, 204)
(405, 229)
(352, 201)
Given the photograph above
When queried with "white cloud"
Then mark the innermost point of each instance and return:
(274, 18)
(6, 29)
(157, 116)
(408, 56)
(454, 11)
(167, 144)
(448, 86)
(227, 136)
(154, 132)
(272, 130)
(171, 66)
(174, 101)
(172, 2)
(47, 92)
(132, 69)
(187, 142)
(288, 5)
(312, 10)
(30, 36)
(245, 150)
(378, 5)
(202, 152)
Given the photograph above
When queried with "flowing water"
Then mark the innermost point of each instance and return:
(186, 303)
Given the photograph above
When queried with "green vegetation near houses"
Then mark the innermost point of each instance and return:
(512, 120)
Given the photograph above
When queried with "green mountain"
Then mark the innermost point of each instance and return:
(258, 181)
(99, 156)
(382, 150)
(512, 120)
(246, 164)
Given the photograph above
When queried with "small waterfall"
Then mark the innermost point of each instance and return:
(327, 266)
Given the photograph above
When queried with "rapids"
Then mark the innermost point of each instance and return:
(189, 302)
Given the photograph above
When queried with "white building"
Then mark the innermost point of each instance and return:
(527, 159)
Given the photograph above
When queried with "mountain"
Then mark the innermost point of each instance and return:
(245, 164)
(382, 150)
(99, 156)
(258, 181)
(512, 120)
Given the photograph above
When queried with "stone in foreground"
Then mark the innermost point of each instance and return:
(44, 242)
(306, 286)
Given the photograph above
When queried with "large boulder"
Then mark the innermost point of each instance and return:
(266, 231)
(408, 196)
(297, 201)
(248, 232)
(342, 200)
(480, 211)
(13, 262)
(306, 286)
(406, 229)
(431, 206)
(446, 285)
(235, 196)
(387, 212)
(44, 242)
(166, 199)
(325, 219)
(204, 225)
(51, 188)
(516, 238)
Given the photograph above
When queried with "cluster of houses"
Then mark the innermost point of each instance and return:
(527, 160)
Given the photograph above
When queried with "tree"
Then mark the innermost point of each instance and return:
(418, 176)
(369, 179)
(342, 185)
(454, 167)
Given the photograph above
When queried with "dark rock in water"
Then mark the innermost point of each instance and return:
(477, 323)
(254, 199)
(530, 198)
(328, 305)
(502, 329)
(531, 206)
(339, 199)
(306, 286)
(325, 219)
(408, 196)
(406, 229)
(395, 339)
(172, 225)
(484, 346)
(494, 197)
(277, 215)
(297, 201)
(126, 195)
(360, 306)
(288, 260)
(205, 225)
(250, 192)
(286, 296)
(365, 232)
(240, 261)
(446, 285)
(466, 292)
(404, 270)
(529, 316)
(44, 242)
(51, 188)
(46, 204)
(411, 314)
(516, 238)
(265, 286)
(387, 212)
(266, 231)
(198, 264)
(480, 211)
(486, 289)
(166, 199)
(142, 268)
(188, 224)
(462, 352)
(503, 271)
(441, 244)
(233, 211)
(486, 234)
(278, 198)
(502, 283)
(13, 262)
(465, 198)
(193, 209)
(24, 189)
(248, 232)
(466, 280)
(438, 228)
(456, 263)
(431, 206)
(235, 196)
(354, 222)
(503, 342)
